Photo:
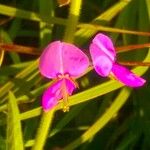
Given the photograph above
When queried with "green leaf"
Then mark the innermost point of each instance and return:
(3, 143)
(103, 120)
(13, 69)
(83, 34)
(4, 89)
(24, 14)
(14, 131)
(44, 127)
(46, 9)
(127, 141)
(66, 119)
(110, 29)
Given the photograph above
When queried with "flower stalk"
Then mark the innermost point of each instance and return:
(45, 124)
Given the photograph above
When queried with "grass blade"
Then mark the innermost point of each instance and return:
(14, 131)
(24, 14)
(103, 120)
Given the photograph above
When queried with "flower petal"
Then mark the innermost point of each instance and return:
(60, 58)
(101, 62)
(51, 96)
(105, 44)
(126, 76)
(70, 86)
(50, 63)
(74, 60)
(55, 92)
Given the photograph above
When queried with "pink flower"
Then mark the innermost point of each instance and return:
(61, 61)
(103, 56)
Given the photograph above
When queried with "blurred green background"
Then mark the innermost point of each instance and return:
(104, 115)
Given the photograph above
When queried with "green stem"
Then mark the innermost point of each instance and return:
(72, 20)
(43, 130)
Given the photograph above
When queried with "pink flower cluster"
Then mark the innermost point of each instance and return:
(65, 62)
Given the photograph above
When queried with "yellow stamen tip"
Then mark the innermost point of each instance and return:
(65, 108)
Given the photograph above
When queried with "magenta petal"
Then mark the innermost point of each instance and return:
(101, 62)
(51, 96)
(126, 76)
(60, 58)
(50, 63)
(70, 86)
(54, 93)
(75, 62)
(104, 43)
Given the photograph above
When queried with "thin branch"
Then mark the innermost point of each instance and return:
(132, 47)
(134, 63)
(109, 29)
(19, 49)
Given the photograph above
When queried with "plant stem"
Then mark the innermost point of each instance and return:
(132, 47)
(134, 63)
(43, 130)
(72, 20)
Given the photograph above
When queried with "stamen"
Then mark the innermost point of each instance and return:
(65, 97)
(74, 82)
(64, 89)
(65, 100)
(112, 76)
(66, 108)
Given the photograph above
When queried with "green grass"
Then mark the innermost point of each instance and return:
(104, 114)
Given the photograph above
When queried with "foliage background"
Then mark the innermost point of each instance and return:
(104, 114)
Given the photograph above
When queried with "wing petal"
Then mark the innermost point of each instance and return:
(51, 96)
(70, 86)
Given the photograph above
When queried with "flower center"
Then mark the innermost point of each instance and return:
(63, 76)
(65, 95)
(66, 88)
